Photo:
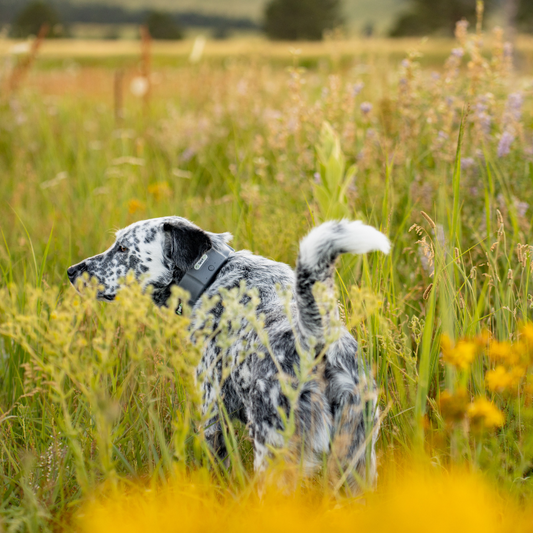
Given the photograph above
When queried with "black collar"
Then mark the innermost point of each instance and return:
(203, 273)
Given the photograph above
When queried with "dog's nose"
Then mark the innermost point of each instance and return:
(74, 271)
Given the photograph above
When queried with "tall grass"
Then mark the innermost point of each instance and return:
(100, 395)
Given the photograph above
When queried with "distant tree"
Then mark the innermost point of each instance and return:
(163, 26)
(32, 17)
(524, 17)
(221, 33)
(301, 19)
(435, 16)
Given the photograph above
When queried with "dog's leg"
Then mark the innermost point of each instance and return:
(226, 406)
(312, 425)
(215, 438)
(264, 420)
(355, 419)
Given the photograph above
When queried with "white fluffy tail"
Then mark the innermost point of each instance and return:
(334, 238)
(316, 261)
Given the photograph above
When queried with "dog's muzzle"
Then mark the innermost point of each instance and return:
(75, 271)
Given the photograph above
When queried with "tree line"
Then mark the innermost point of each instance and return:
(283, 19)
(25, 15)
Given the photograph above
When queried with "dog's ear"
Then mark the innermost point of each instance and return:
(185, 244)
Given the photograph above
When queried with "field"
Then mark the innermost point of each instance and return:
(430, 141)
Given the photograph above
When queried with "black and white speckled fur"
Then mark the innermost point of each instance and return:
(330, 408)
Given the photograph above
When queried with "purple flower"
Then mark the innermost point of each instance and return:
(504, 147)
(316, 178)
(521, 207)
(508, 49)
(357, 88)
(366, 107)
(482, 116)
(458, 52)
(467, 162)
(514, 105)
(187, 154)
(462, 25)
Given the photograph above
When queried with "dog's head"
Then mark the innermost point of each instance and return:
(158, 251)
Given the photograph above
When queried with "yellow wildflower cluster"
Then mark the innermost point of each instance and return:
(135, 205)
(453, 406)
(505, 352)
(482, 413)
(461, 355)
(501, 379)
(159, 190)
(405, 502)
(512, 361)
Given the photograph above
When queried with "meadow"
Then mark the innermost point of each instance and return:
(430, 141)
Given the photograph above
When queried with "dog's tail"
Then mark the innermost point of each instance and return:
(351, 398)
(316, 262)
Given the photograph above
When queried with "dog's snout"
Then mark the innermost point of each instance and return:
(74, 271)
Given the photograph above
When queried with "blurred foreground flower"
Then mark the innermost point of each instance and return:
(409, 503)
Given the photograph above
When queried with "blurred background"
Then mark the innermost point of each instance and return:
(275, 19)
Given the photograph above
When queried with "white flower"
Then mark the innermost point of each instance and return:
(139, 86)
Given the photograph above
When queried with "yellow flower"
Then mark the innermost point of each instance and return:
(505, 352)
(528, 391)
(159, 189)
(526, 331)
(526, 339)
(135, 205)
(453, 406)
(483, 339)
(501, 379)
(484, 414)
(407, 501)
(461, 355)
(446, 344)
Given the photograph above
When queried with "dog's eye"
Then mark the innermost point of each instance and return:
(122, 249)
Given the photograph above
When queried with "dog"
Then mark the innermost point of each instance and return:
(335, 412)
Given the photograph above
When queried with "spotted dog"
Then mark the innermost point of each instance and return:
(334, 412)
